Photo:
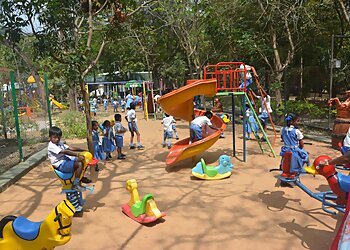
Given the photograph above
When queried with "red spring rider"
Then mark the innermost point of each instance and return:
(338, 182)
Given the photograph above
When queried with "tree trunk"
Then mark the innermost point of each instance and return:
(85, 96)
(198, 68)
(42, 92)
(278, 78)
(189, 67)
(72, 99)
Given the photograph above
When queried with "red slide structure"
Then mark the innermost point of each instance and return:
(179, 103)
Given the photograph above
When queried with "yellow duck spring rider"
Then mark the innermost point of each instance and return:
(19, 233)
(67, 179)
(143, 211)
(223, 170)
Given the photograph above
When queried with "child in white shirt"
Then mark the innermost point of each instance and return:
(197, 124)
(131, 117)
(63, 158)
(168, 123)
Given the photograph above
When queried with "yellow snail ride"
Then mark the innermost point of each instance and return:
(22, 234)
(67, 179)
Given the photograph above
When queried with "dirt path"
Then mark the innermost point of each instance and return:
(247, 211)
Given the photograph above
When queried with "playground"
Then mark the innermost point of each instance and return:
(175, 125)
(244, 211)
(244, 206)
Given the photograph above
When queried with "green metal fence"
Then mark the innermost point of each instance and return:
(25, 118)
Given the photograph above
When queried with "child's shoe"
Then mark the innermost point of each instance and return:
(163, 145)
(97, 169)
(79, 209)
(262, 139)
(132, 147)
(177, 138)
(122, 154)
(78, 188)
(85, 180)
(121, 157)
(169, 146)
(140, 147)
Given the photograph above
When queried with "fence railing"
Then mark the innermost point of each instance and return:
(25, 118)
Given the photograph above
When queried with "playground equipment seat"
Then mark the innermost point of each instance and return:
(285, 164)
(143, 211)
(21, 234)
(335, 199)
(223, 170)
(75, 197)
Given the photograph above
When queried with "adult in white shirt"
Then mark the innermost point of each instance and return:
(198, 123)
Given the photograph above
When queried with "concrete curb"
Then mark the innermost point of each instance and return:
(318, 138)
(15, 173)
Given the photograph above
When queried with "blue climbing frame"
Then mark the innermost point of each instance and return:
(245, 100)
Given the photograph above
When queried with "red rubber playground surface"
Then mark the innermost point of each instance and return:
(246, 211)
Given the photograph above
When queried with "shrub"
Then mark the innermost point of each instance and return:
(305, 109)
(72, 124)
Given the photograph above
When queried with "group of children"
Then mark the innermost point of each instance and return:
(123, 103)
(113, 140)
(67, 159)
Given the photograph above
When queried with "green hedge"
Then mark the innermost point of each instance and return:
(73, 124)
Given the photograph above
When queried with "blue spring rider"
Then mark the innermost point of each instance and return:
(223, 170)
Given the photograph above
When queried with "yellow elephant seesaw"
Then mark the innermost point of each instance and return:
(67, 179)
(22, 234)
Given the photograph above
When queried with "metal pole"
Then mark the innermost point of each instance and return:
(331, 83)
(285, 95)
(233, 125)
(144, 96)
(3, 118)
(48, 99)
(15, 113)
(244, 129)
(154, 104)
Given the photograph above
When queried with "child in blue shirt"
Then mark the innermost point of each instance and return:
(99, 154)
(346, 144)
(108, 138)
(251, 124)
(105, 103)
(129, 99)
(293, 142)
(119, 133)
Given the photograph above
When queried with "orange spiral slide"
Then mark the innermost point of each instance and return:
(179, 103)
